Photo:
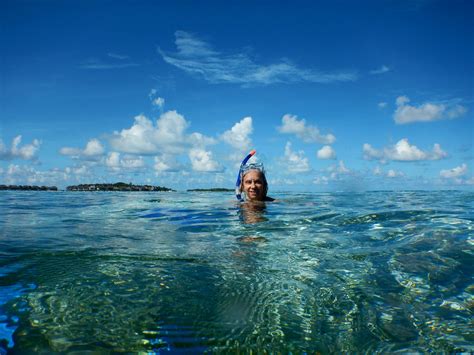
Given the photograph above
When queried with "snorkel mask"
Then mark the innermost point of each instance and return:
(244, 168)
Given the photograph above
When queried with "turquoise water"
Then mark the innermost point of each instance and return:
(196, 272)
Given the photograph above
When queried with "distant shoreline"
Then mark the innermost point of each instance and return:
(119, 186)
(28, 188)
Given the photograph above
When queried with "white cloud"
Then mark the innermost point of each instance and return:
(390, 174)
(402, 100)
(238, 135)
(454, 172)
(201, 160)
(426, 112)
(73, 152)
(128, 162)
(24, 174)
(166, 163)
(403, 151)
(80, 170)
(340, 168)
(321, 180)
(167, 136)
(26, 152)
(383, 69)
(93, 151)
(132, 162)
(113, 160)
(199, 140)
(295, 162)
(308, 133)
(197, 57)
(158, 101)
(382, 105)
(335, 173)
(326, 152)
(93, 147)
(282, 181)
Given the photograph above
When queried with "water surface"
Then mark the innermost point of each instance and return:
(197, 272)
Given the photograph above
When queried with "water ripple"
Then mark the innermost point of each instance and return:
(154, 272)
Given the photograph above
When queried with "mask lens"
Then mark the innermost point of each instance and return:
(253, 166)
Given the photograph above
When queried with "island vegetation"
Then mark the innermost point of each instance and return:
(28, 188)
(119, 186)
(215, 189)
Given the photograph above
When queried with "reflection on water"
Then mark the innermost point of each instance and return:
(253, 212)
(131, 272)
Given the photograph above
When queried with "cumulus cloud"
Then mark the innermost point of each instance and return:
(454, 172)
(166, 163)
(141, 137)
(92, 151)
(239, 135)
(457, 175)
(390, 174)
(200, 140)
(26, 152)
(159, 102)
(383, 69)
(403, 151)
(197, 57)
(127, 162)
(295, 162)
(24, 174)
(321, 180)
(156, 100)
(334, 172)
(310, 134)
(326, 152)
(338, 169)
(425, 112)
(167, 136)
(201, 160)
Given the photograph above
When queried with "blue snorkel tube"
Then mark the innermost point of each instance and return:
(238, 192)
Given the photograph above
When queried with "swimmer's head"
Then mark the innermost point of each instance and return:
(254, 182)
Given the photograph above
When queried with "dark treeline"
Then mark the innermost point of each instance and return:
(28, 188)
(119, 186)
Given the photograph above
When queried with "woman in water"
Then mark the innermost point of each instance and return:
(255, 187)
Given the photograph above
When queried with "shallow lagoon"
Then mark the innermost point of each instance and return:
(196, 272)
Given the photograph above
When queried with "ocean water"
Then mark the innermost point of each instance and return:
(197, 272)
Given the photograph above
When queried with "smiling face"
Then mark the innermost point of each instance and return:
(254, 185)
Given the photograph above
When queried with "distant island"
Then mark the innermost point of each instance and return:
(215, 189)
(119, 186)
(28, 188)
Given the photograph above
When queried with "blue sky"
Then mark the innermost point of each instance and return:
(333, 95)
